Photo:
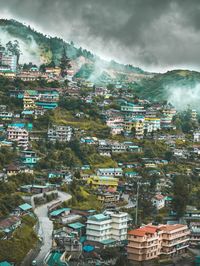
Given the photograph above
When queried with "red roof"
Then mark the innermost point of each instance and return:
(144, 230)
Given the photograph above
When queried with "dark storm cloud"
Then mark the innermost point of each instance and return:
(156, 34)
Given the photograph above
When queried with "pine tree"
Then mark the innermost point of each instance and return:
(64, 63)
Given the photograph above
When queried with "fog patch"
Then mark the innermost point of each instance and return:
(183, 97)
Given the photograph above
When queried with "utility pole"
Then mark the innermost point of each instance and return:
(137, 196)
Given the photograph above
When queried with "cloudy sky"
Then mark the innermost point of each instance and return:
(156, 35)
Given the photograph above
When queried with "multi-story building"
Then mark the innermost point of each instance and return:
(29, 100)
(131, 109)
(149, 242)
(103, 182)
(9, 60)
(108, 198)
(158, 201)
(195, 233)
(167, 115)
(20, 135)
(196, 136)
(194, 115)
(110, 172)
(60, 133)
(29, 157)
(135, 126)
(151, 124)
(107, 226)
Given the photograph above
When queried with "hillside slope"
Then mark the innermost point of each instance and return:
(39, 48)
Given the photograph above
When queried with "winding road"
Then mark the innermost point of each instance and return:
(46, 226)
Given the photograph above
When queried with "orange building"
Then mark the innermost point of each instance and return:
(150, 241)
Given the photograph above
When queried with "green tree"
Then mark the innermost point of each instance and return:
(64, 63)
(181, 195)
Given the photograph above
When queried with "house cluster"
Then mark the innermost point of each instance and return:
(10, 224)
(37, 101)
(86, 231)
(107, 147)
(138, 120)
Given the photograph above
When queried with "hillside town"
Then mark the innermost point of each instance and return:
(91, 174)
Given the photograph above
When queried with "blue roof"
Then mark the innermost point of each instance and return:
(59, 211)
(5, 263)
(27, 112)
(25, 207)
(54, 259)
(76, 225)
(108, 241)
(21, 125)
(88, 248)
(99, 217)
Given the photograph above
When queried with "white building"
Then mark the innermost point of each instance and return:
(151, 124)
(110, 172)
(60, 133)
(20, 135)
(9, 60)
(196, 136)
(107, 226)
(158, 201)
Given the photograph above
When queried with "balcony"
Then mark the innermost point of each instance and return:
(173, 243)
(175, 236)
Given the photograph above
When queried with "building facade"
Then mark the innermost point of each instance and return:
(150, 241)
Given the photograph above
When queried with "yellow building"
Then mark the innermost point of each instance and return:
(138, 126)
(103, 182)
(28, 102)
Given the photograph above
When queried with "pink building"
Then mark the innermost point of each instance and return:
(150, 241)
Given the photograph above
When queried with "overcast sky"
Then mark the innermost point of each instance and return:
(153, 34)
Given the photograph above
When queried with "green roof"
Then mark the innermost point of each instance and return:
(76, 225)
(25, 207)
(32, 92)
(59, 211)
(99, 217)
(169, 198)
(108, 241)
(54, 259)
(5, 263)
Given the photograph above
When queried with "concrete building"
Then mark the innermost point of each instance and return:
(158, 201)
(195, 233)
(196, 136)
(103, 182)
(60, 133)
(151, 124)
(19, 135)
(149, 242)
(110, 172)
(107, 226)
(9, 60)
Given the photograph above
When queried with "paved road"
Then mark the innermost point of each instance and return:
(46, 226)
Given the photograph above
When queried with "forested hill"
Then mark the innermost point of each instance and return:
(39, 48)
(163, 86)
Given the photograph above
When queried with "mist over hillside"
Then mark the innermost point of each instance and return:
(180, 87)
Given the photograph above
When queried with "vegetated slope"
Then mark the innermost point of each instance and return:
(160, 86)
(39, 48)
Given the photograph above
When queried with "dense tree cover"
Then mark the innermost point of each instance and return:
(64, 63)
(81, 197)
(24, 238)
(181, 195)
(9, 198)
(157, 88)
(183, 121)
(7, 155)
